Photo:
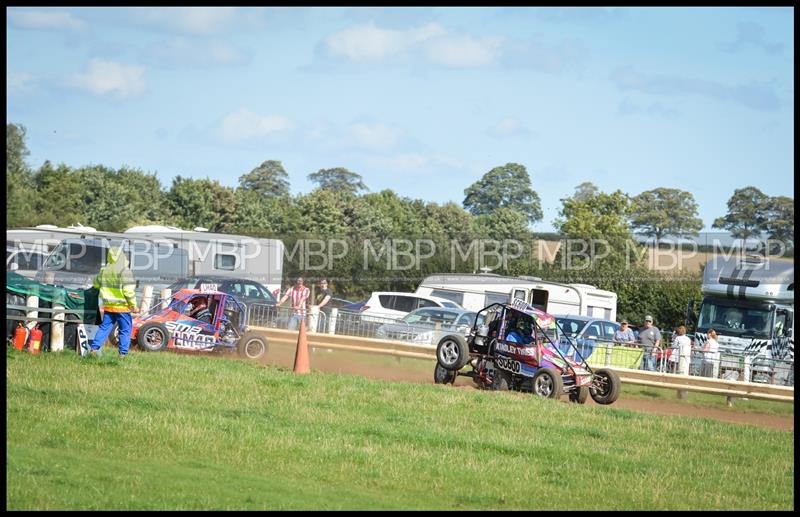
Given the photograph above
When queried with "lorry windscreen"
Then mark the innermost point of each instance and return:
(735, 319)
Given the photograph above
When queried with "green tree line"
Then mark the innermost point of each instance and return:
(499, 207)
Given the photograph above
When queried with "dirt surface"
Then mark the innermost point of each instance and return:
(421, 371)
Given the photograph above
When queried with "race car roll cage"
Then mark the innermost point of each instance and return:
(523, 309)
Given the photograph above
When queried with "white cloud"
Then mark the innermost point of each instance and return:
(193, 20)
(508, 127)
(110, 78)
(463, 51)
(243, 124)
(17, 82)
(46, 20)
(194, 52)
(374, 136)
(370, 43)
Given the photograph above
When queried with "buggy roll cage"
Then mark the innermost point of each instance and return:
(523, 309)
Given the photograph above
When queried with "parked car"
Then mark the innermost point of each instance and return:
(382, 307)
(515, 348)
(245, 290)
(586, 332)
(419, 326)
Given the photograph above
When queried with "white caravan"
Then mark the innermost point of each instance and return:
(159, 255)
(476, 291)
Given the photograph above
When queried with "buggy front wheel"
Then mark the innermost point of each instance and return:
(452, 353)
(606, 386)
(443, 376)
(252, 347)
(547, 383)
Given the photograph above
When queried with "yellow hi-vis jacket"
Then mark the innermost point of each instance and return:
(116, 284)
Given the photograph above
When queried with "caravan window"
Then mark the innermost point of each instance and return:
(453, 296)
(539, 299)
(495, 298)
(77, 257)
(225, 261)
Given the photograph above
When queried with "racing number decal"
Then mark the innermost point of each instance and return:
(507, 364)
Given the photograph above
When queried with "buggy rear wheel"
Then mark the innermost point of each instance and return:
(547, 383)
(452, 353)
(501, 380)
(153, 337)
(252, 347)
(579, 395)
(606, 386)
(442, 375)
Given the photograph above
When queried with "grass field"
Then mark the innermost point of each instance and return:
(165, 431)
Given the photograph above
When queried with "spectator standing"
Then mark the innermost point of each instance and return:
(682, 351)
(711, 355)
(624, 336)
(118, 292)
(299, 294)
(324, 296)
(650, 339)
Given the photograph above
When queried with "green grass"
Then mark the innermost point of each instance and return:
(165, 431)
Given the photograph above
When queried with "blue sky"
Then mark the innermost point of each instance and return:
(423, 101)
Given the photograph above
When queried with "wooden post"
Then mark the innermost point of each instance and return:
(50, 277)
(332, 320)
(147, 299)
(166, 294)
(57, 333)
(313, 318)
(32, 302)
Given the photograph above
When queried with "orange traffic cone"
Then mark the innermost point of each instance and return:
(301, 356)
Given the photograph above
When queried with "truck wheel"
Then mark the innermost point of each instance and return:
(443, 376)
(153, 337)
(579, 395)
(547, 383)
(252, 347)
(501, 380)
(606, 386)
(452, 353)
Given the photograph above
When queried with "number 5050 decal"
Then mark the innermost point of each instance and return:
(507, 364)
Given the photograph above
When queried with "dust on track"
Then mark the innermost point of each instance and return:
(421, 371)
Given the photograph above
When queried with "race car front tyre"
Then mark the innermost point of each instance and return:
(252, 347)
(606, 386)
(579, 395)
(443, 376)
(452, 352)
(547, 383)
(153, 337)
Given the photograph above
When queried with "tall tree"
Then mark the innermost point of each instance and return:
(338, 179)
(665, 211)
(585, 191)
(19, 179)
(780, 220)
(201, 202)
(747, 213)
(508, 186)
(269, 179)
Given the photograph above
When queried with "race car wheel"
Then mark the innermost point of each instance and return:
(501, 380)
(452, 352)
(606, 386)
(113, 338)
(579, 395)
(252, 347)
(547, 383)
(153, 337)
(443, 376)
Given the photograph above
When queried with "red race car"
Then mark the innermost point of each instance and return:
(201, 321)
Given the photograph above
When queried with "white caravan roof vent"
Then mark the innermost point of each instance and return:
(200, 229)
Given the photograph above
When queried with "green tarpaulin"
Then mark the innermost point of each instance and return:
(84, 300)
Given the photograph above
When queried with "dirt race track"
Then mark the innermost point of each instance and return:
(421, 371)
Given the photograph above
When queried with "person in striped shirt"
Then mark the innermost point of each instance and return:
(299, 294)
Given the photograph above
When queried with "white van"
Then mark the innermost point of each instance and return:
(385, 306)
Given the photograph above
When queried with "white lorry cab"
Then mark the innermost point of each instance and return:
(749, 301)
(476, 291)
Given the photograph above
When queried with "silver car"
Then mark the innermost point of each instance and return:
(419, 326)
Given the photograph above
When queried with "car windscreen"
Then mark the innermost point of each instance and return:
(570, 326)
(430, 316)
